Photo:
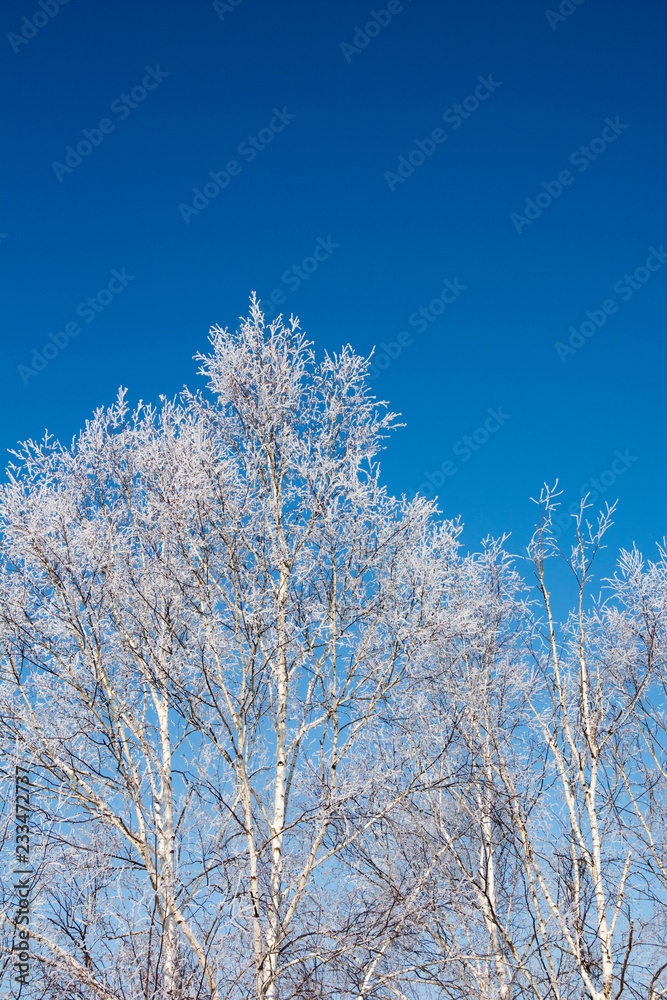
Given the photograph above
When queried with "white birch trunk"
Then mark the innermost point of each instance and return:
(164, 808)
(279, 803)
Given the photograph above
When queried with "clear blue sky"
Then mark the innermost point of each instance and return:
(173, 92)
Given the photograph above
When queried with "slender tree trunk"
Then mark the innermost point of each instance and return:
(589, 789)
(279, 804)
(487, 878)
(166, 866)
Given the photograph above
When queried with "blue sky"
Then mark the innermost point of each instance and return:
(462, 185)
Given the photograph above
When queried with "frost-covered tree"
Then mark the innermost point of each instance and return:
(206, 612)
(536, 865)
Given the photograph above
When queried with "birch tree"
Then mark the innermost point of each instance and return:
(534, 865)
(583, 715)
(207, 610)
